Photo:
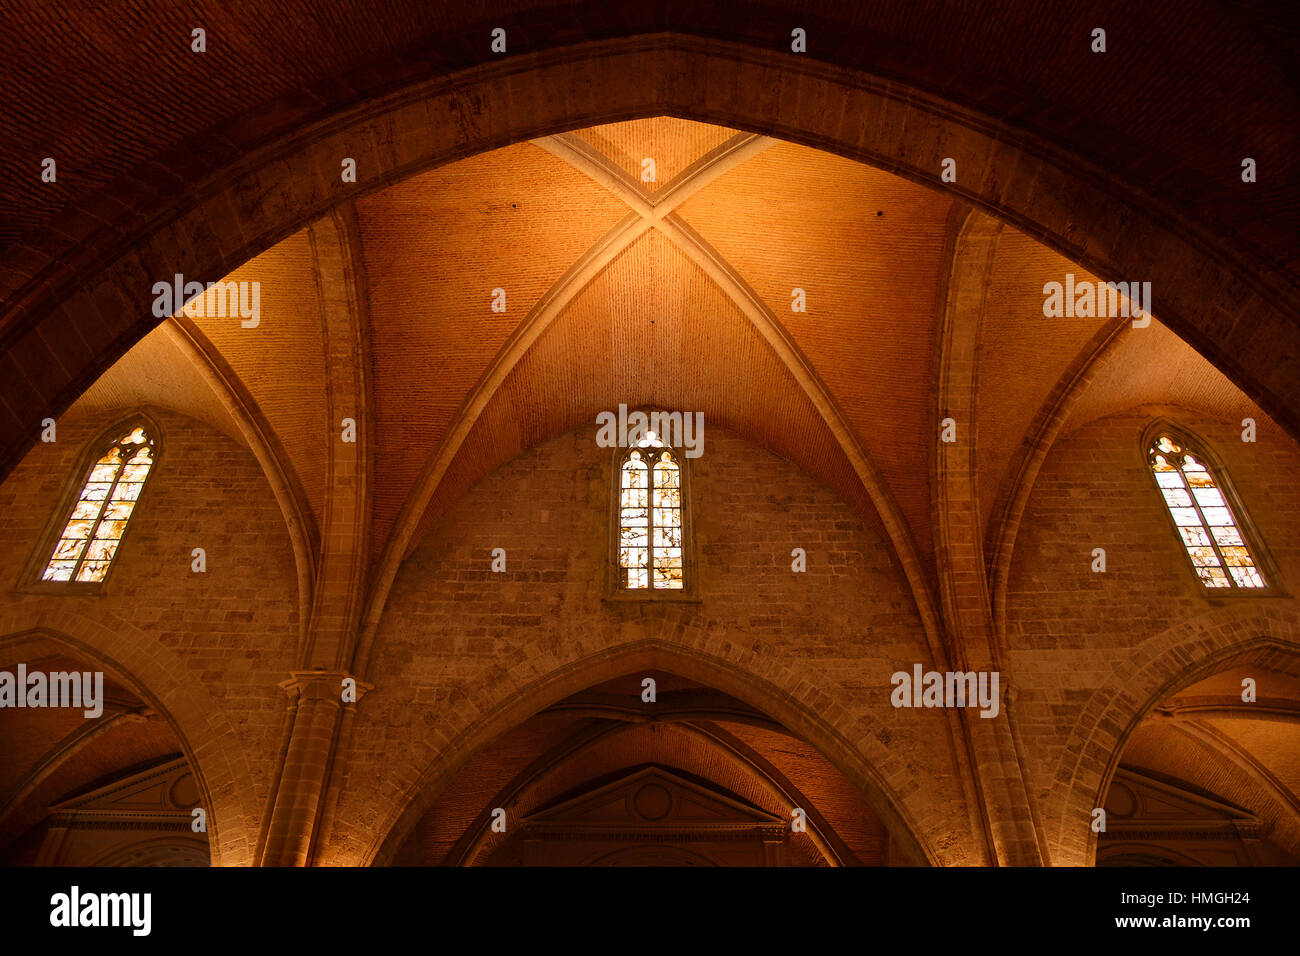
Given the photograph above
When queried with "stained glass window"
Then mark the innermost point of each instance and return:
(90, 539)
(650, 517)
(1200, 509)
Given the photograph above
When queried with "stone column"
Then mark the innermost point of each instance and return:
(318, 697)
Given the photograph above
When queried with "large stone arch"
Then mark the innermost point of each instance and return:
(207, 737)
(77, 307)
(498, 702)
(1175, 658)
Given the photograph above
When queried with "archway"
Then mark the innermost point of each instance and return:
(1174, 663)
(751, 696)
(155, 687)
(95, 775)
(611, 777)
(1208, 777)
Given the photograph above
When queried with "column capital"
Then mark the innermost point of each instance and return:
(322, 685)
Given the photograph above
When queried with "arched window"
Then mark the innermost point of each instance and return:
(651, 519)
(90, 537)
(1198, 502)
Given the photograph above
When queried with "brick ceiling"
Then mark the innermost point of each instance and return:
(116, 84)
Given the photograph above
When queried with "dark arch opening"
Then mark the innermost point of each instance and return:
(606, 777)
(113, 785)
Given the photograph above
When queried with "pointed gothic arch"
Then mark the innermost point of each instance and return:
(1208, 516)
(651, 520)
(83, 537)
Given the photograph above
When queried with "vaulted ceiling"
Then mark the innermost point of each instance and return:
(674, 292)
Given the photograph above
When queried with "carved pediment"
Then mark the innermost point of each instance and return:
(654, 799)
(162, 794)
(1140, 802)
